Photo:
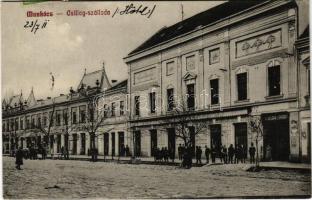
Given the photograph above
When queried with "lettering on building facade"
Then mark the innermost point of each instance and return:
(259, 43)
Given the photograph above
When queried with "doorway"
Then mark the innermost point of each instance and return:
(121, 143)
(192, 139)
(153, 141)
(215, 137)
(137, 143)
(66, 142)
(241, 135)
(113, 144)
(276, 135)
(83, 144)
(51, 141)
(58, 144)
(171, 141)
(106, 144)
(74, 150)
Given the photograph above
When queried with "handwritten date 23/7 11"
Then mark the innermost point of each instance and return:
(34, 25)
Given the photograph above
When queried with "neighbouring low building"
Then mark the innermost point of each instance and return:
(27, 122)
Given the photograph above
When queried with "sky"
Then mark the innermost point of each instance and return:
(69, 44)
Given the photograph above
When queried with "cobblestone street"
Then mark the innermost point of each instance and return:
(80, 179)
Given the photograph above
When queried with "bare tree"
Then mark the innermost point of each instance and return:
(68, 128)
(46, 129)
(95, 114)
(256, 127)
(187, 125)
(13, 137)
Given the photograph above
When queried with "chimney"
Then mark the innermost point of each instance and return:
(114, 81)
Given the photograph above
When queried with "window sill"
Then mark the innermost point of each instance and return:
(274, 97)
(170, 112)
(242, 101)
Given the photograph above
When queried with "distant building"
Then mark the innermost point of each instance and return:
(23, 120)
(236, 61)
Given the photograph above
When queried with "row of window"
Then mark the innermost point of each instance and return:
(112, 110)
(60, 116)
(242, 87)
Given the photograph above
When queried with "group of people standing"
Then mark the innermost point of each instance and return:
(230, 155)
(163, 154)
(124, 150)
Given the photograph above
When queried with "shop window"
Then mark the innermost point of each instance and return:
(74, 115)
(190, 97)
(82, 113)
(152, 97)
(122, 108)
(113, 109)
(137, 105)
(241, 86)
(170, 99)
(214, 88)
(274, 80)
(58, 118)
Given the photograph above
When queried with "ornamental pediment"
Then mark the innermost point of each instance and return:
(189, 76)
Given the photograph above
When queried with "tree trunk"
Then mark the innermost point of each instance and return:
(257, 156)
(92, 140)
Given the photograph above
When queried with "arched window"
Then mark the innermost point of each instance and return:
(274, 78)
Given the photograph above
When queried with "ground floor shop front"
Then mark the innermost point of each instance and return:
(280, 139)
(285, 136)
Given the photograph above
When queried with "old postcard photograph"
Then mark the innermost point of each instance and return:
(155, 99)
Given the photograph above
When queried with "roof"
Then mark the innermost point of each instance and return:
(89, 79)
(16, 99)
(31, 100)
(62, 98)
(305, 34)
(120, 85)
(204, 18)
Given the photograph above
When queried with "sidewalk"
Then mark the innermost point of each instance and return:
(285, 165)
(150, 160)
(139, 160)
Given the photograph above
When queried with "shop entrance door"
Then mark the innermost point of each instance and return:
(215, 137)
(241, 135)
(153, 141)
(276, 135)
(171, 141)
(137, 143)
(106, 144)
